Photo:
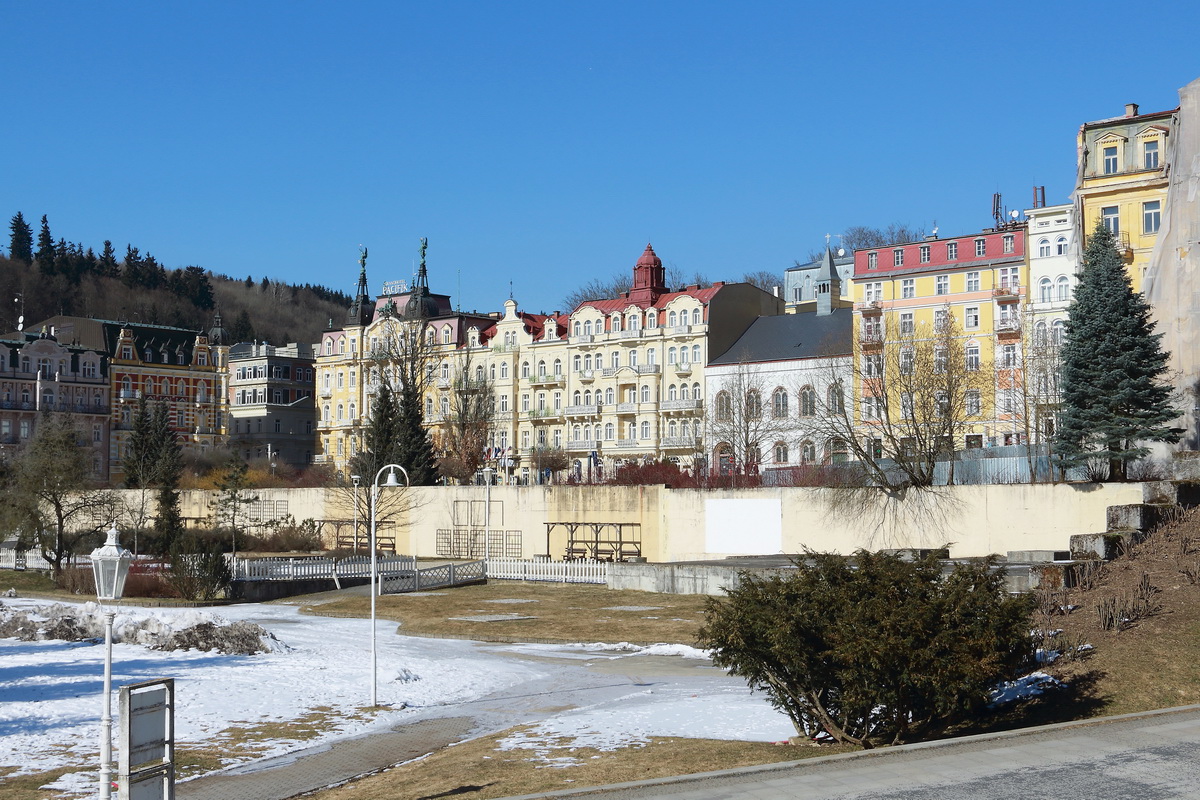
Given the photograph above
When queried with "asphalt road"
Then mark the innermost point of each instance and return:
(1140, 757)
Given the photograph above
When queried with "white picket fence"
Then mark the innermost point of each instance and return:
(23, 559)
(290, 569)
(520, 569)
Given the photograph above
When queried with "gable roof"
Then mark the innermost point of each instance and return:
(793, 336)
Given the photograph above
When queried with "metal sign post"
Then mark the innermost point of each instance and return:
(147, 749)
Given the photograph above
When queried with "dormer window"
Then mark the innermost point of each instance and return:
(149, 356)
(127, 353)
(872, 260)
(1150, 154)
(1110, 159)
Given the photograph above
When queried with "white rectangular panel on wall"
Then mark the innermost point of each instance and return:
(746, 527)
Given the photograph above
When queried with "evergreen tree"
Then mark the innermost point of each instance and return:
(414, 451)
(47, 252)
(242, 329)
(168, 467)
(131, 269)
(1113, 395)
(107, 264)
(138, 463)
(20, 246)
(381, 437)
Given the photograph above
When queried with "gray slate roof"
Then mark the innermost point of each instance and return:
(791, 336)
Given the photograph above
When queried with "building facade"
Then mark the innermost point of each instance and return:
(40, 375)
(1122, 181)
(272, 413)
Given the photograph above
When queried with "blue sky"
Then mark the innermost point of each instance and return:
(546, 143)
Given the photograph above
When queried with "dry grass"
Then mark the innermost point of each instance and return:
(28, 580)
(562, 613)
(1151, 663)
(479, 769)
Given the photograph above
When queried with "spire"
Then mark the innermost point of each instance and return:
(829, 284)
(217, 334)
(420, 304)
(649, 279)
(361, 310)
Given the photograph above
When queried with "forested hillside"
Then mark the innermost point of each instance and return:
(41, 276)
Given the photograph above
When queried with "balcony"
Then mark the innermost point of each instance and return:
(680, 330)
(690, 443)
(626, 444)
(682, 369)
(1007, 294)
(626, 408)
(544, 415)
(547, 380)
(869, 309)
(871, 339)
(647, 369)
(582, 444)
(326, 393)
(443, 383)
(583, 411)
(583, 338)
(681, 405)
(628, 334)
(586, 375)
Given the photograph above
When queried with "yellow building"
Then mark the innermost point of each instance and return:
(940, 307)
(1122, 181)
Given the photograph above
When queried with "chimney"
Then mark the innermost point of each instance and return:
(1131, 109)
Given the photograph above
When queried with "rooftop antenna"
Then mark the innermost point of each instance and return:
(510, 290)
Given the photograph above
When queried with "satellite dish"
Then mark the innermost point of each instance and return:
(841, 252)
(935, 230)
(1014, 213)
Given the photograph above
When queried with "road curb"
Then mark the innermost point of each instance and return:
(781, 766)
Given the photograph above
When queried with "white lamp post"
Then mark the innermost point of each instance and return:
(391, 482)
(110, 566)
(488, 472)
(356, 479)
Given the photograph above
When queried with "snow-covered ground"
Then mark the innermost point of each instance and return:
(614, 695)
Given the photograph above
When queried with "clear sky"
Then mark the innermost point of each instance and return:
(546, 143)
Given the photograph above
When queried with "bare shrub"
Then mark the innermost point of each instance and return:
(1190, 569)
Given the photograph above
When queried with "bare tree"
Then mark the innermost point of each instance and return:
(749, 413)
(471, 412)
(598, 289)
(922, 389)
(1028, 386)
(859, 237)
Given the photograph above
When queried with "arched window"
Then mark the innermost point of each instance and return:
(836, 399)
(1044, 248)
(633, 358)
(609, 431)
(645, 430)
(576, 363)
(645, 394)
(614, 322)
(353, 408)
(587, 397)
(1058, 333)
(753, 405)
(576, 433)
(695, 316)
(587, 328)
(524, 369)
(616, 359)
(672, 392)
(576, 399)
(779, 404)
(683, 392)
(724, 407)
(1045, 290)
(608, 395)
(696, 391)
(491, 372)
(683, 356)
(587, 362)
(541, 369)
(652, 355)
(325, 413)
(1060, 246)
(558, 366)
(503, 370)
(808, 452)
(1039, 334)
(671, 351)
(781, 452)
(428, 407)
(652, 319)
(808, 402)
(329, 347)
(479, 373)
(696, 353)
(578, 329)
(685, 430)
(1064, 288)
(672, 429)
(672, 319)
(633, 322)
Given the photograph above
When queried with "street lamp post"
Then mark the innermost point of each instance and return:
(375, 487)
(110, 567)
(356, 479)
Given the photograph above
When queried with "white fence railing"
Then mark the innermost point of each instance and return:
(433, 577)
(24, 559)
(290, 569)
(520, 569)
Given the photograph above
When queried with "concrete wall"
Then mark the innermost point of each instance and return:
(685, 524)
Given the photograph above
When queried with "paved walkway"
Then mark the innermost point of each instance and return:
(1151, 756)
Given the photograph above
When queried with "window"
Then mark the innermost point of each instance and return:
(940, 360)
(1010, 243)
(1043, 248)
(672, 319)
(646, 394)
(972, 281)
(906, 405)
(1150, 154)
(980, 247)
(724, 407)
(942, 284)
(906, 361)
(872, 260)
(836, 399)
(972, 357)
(1110, 159)
(907, 327)
(870, 407)
(1151, 216)
(1008, 356)
(652, 320)
(1111, 218)
(633, 358)
(924, 254)
(779, 404)
(808, 402)
(1039, 334)
(1010, 278)
(1064, 288)
(898, 257)
(524, 369)
(695, 316)
(616, 359)
(872, 292)
(908, 288)
(753, 405)
(952, 251)
(1060, 246)
(1057, 332)
(941, 319)
(504, 370)
(446, 335)
(971, 317)
(808, 452)
(873, 366)
(972, 403)
(645, 430)
(781, 453)
(524, 402)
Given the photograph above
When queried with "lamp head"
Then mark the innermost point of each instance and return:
(391, 480)
(356, 479)
(110, 566)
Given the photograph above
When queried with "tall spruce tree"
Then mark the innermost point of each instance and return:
(107, 265)
(381, 437)
(1113, 395)
(47, 252)
(414, 451)
(168, 467)
(140, 454)
(20, 247)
